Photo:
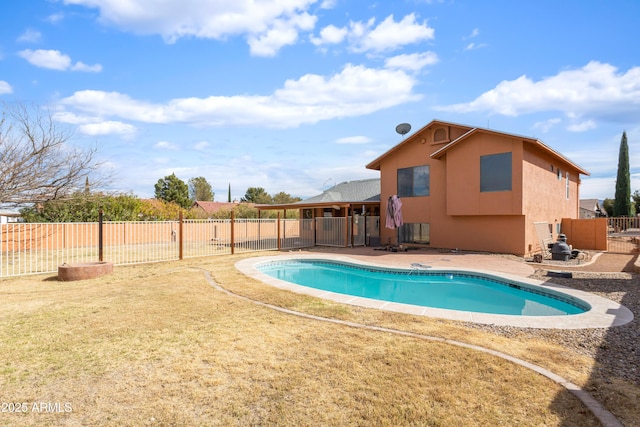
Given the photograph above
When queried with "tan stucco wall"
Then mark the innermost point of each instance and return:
(460, 216)
(586, 233)
(463, 178)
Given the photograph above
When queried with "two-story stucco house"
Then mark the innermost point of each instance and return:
(476, 189)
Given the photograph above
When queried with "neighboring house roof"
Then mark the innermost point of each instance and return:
(10, 216)
(590, 205)
(364, 190)
(471, 131)
(212, 207)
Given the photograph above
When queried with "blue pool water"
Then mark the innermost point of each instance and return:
(449, 290)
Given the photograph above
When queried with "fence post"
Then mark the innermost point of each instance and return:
(278, 231)
(100, 241)
(233, 243)
(181, 237)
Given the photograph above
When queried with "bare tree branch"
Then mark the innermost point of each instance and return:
(36, 161)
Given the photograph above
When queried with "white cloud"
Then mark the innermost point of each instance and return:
(30, 36)
(354, 91)
(353, 140)
(107, 128)
(330, 35)
(81, 66)
(55, 60)
(268, 24)
(5, 87)
(546, 125)
(74, 119)
(582, 126)
(56, 17)
(51, 59)
(595, 91)
(328, 4)
(474, 46)
(166, 145)
(389, 34)
(281, 33)
(413, 61)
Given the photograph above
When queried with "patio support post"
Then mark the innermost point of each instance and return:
(346, 226)
(364, 218)
(284, 227)
(353, 223)
(278, 231)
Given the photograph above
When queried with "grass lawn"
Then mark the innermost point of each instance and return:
(157, 345)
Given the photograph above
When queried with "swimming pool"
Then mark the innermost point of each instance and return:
(438, 289)
(603, 312)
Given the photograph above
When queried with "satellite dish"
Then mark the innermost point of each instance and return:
(403, 128)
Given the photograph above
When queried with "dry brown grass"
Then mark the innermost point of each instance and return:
(157, 345)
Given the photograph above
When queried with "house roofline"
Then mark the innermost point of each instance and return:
(375, 164)
(438, 154)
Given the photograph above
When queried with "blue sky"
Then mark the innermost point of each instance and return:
(299, 95)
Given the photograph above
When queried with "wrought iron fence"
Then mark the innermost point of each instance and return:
(30, 248)
(623, 234)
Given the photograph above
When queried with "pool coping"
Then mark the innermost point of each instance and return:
(604, 313)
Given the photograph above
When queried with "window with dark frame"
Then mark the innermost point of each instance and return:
(417, 233)
(414, 181)
(496, 172)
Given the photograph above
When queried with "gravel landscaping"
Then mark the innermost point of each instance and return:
(616, 349)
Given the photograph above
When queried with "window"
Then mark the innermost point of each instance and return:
(414, 233)
(413, 182)
(566, 185)
(495, 172)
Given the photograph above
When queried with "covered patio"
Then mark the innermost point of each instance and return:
(347, 214)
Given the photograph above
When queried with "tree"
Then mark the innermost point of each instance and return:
(85, 207)
(173, 189)
(282, 198)
(622, 203)
(257, 195)
(200, 189)
(37, 163)
(636, 200)
(159, 210)
(607, 205)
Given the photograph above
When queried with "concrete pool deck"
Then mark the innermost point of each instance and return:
(440, 260)
(604, 312)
